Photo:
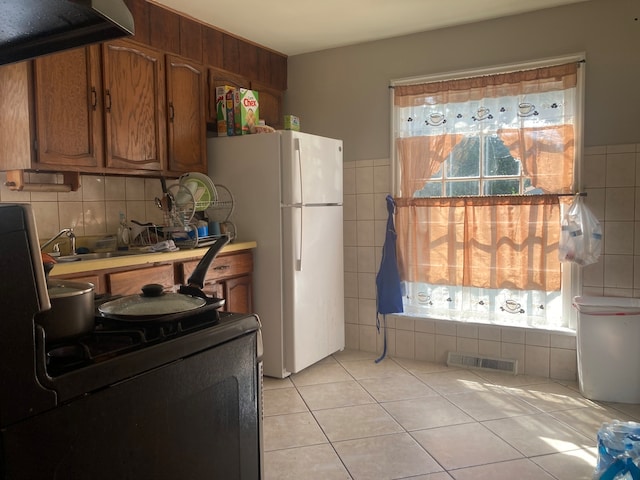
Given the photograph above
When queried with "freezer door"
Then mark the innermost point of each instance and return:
(313, 296)
(311, 169)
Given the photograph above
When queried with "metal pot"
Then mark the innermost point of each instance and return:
(72, 310)
(156, 305)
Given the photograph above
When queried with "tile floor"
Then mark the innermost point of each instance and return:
(350, 418)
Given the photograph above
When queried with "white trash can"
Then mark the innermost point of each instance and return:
(608, 340)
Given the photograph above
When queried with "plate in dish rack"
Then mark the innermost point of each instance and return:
(202, 188)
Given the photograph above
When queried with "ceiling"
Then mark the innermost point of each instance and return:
(294, 27)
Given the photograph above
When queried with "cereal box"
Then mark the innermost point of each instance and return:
(221, 109)
(230, 103)
(249, 110)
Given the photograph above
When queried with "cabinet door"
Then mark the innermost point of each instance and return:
(135, 113)
(270, 104)
(187, 125)
(15, 116)
(217, 77)
(238, 293)
(131, 282)
(68, 92)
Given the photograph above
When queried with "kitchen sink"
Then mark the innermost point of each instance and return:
(98, 255)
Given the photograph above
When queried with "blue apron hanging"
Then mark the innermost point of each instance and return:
(389, 291)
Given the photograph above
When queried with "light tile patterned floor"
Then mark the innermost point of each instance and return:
(350, 418)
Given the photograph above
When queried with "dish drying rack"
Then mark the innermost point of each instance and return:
(181, 220)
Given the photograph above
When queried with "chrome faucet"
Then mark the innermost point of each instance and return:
(69, 233)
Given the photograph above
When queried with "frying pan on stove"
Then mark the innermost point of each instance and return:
(153, 304)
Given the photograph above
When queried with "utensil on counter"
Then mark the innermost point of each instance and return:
(155, 305)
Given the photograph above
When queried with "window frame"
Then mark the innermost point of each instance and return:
(571, 274)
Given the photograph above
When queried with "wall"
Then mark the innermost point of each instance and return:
(612, 182)
(344, 93)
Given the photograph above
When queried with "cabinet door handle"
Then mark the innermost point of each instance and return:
(94, 98)
(107, 101)
(171, 112)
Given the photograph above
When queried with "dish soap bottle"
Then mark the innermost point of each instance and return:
(123, 233)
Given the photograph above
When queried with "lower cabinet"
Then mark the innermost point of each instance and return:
(130, 282)
(230, 276)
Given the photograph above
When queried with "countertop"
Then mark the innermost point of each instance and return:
(83, 266)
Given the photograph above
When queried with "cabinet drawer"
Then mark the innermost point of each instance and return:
(223, 266)
(131, 282)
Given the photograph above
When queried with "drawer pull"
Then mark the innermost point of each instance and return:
(222, 268)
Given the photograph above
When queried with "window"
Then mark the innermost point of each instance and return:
(481, 165)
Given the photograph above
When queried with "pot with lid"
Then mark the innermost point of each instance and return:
(72, 310)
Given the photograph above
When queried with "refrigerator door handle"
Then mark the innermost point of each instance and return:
(296, 146)
(299, 236)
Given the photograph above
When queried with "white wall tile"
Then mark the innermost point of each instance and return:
(351, 259)
(536, 361)
(364, 206)
(558, 340)
(366, 260)
(382, 179)
(425, 325)
(93, 188)
(364, 180)
(366, 311)
(367, 285)
(563, 364)
(351, 310)
(94, 217)
(466, 345)
(618, 271)
(405, 323)
(594, 171)
(367, 338)
(444, 345)
(541, 339)
(425, 346)
(350, 233)
(349, 207)
(621, 169)
(489, 332)
(489, 348)
(405, 344)
(352, 336)
(467, 330)
(365, 235)
(513, 335)
(514, 351)
(134, 188)
(620, 203)
(349, 178)
(619, 238)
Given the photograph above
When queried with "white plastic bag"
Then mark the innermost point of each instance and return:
(581, 235)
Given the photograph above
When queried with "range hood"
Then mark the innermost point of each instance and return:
(29, 28)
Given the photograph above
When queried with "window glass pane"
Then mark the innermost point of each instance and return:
(431, 189)
(502, 187)
(498, 160)
(460, 189)
(464, 160)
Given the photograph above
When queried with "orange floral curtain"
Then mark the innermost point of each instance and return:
(487, 242)
(496, 241)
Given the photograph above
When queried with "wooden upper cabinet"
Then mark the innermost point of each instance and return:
(16, 145)
(218, 77)
(191, 39)
(186, 93)
(68, 106)
(270, 104)
(164, 29)
(135, 113)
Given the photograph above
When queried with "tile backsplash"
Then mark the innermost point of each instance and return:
(93, 209)
(611, 178)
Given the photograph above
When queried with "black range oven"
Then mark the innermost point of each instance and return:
(177, 400)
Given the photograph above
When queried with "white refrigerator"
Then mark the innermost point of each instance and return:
(287, 188)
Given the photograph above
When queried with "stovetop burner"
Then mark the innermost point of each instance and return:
(112, 338)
